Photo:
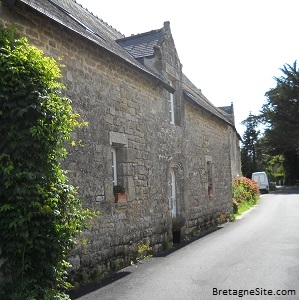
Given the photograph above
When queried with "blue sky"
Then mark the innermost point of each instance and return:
(229, 49)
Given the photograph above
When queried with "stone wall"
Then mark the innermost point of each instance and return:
(128, 110)
(206, 140)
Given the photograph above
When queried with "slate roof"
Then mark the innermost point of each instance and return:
(73, 16)
(227, 109)
(78, 19)
(141, 45)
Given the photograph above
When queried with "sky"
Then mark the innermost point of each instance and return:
(230, 49)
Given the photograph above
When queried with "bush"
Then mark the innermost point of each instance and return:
(245, 193)
(40, 214)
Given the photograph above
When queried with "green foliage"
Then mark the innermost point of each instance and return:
(281, 111)
(291, 166)
(144, 251)
(116, 265)
(277, 151)
(167, 245)
(245, 194)
(40, 213)
(251, 154)
(275, 167)
(242, 207)
(280, 114)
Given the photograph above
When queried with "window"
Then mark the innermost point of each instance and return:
(210, 178)
(172, 198)
(210, 181)
(171, 106)
(114, 166)
(118, 142)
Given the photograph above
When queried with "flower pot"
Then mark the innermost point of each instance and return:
(120, 198)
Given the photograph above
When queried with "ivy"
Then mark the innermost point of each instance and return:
(40, 213)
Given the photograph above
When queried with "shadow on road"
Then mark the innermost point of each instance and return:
(186, 242)
(286, 190)
(91, 287)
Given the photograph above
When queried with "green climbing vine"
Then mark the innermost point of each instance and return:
(40, 213)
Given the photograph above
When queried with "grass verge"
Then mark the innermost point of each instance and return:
(244, 206)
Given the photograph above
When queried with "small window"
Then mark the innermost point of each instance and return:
(171, 106)
(172, 198)
(210, 177)
(114, 166)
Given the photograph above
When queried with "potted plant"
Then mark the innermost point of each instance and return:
(178, 223)
(119, 194)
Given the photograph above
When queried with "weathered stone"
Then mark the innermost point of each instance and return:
(128, 108)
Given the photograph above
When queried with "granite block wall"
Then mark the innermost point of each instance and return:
(128, 110)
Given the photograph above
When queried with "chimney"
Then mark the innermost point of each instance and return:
(167, 25)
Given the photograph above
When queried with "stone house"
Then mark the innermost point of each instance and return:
(150, 130)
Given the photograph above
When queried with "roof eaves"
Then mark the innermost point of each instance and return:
(86, 27)
(112, 47)
(209, 107)
(205, 105)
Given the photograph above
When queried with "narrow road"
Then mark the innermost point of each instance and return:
(255, 257)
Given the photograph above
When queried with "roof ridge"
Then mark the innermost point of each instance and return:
(97, 17)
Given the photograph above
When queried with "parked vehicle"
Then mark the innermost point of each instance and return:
(262, 181)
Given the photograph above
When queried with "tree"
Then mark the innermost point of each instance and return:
(281, 110)
(40, 213)
(250, 154)
(280, 114)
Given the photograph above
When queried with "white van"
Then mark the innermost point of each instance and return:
(262, 181)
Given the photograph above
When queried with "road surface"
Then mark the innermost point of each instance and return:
(255, 257)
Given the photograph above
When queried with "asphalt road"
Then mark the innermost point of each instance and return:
(255, 257)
